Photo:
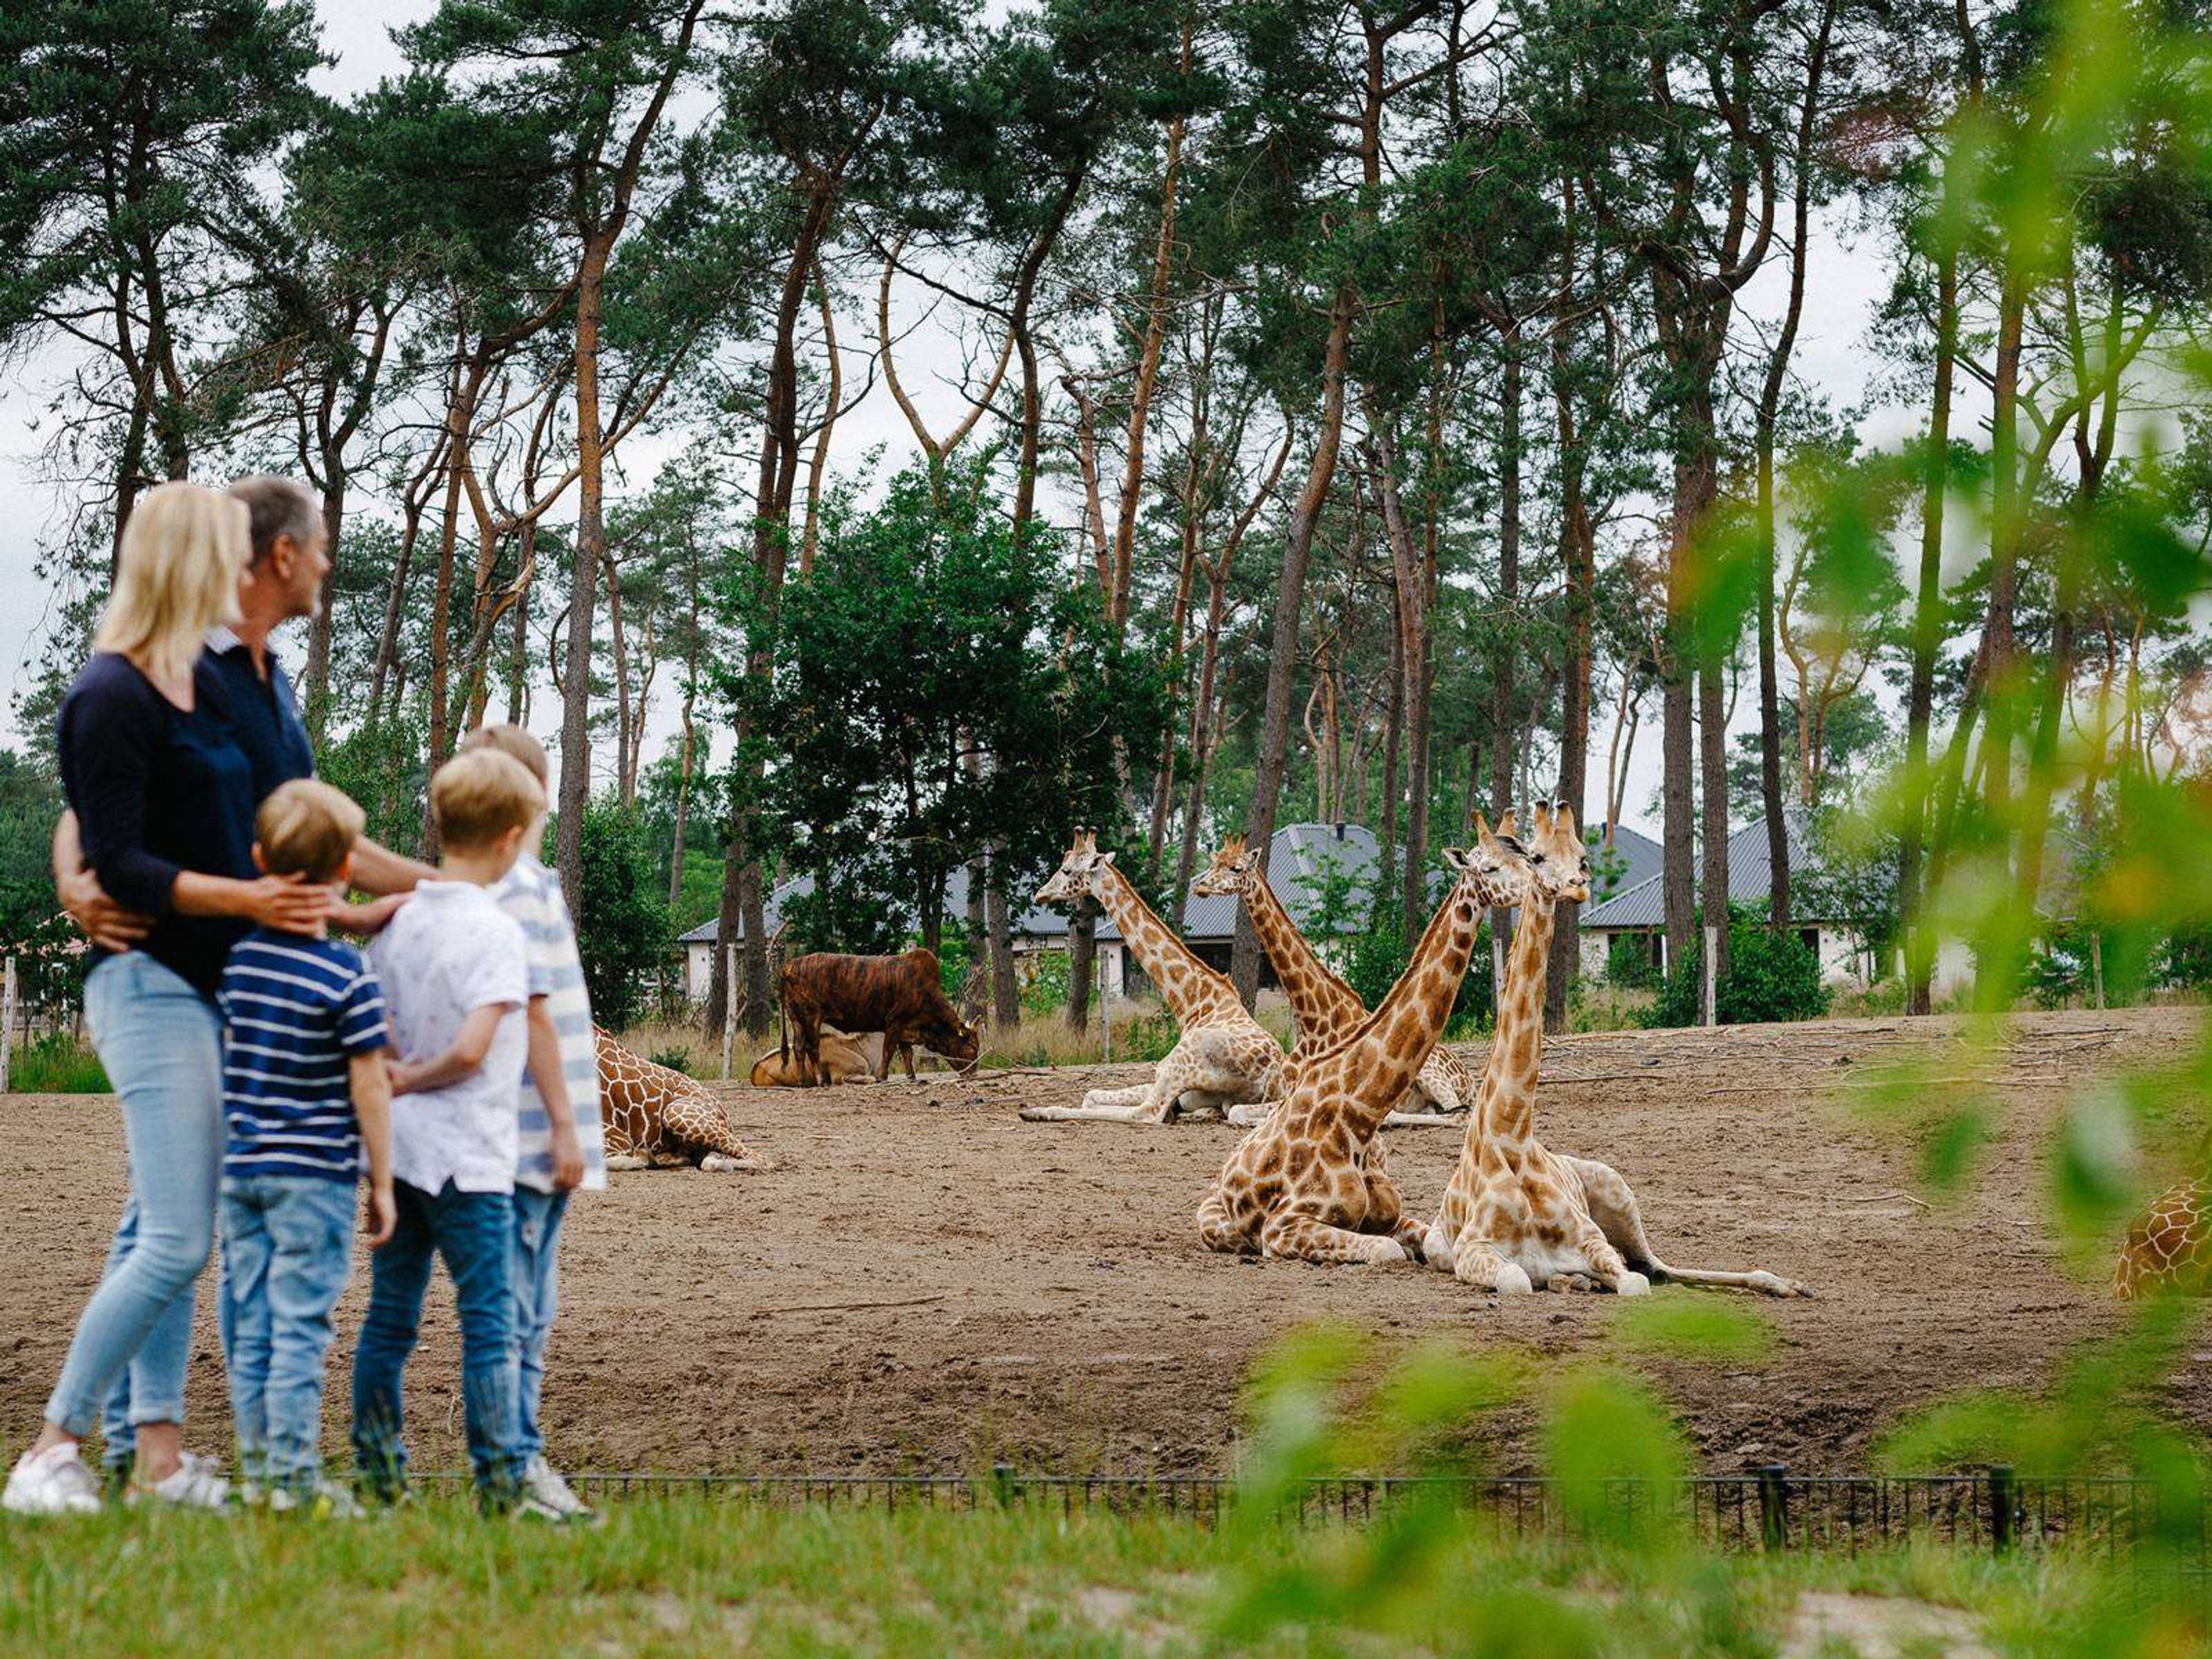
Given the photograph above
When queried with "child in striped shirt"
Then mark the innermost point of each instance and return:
(562, 1144)
(305, 1093)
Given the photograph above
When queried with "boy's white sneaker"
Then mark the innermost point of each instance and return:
(52, 1482)
(192, 1485)
(542, 1482)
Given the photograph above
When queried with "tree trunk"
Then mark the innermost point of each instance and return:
(1578, 561)
(1502, 724)
(1290, 601)
(318, 676)
(591, 553)
(744, 895)
(1927, 640)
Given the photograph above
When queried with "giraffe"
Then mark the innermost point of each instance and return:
(1327, 1009)
(2169, 1248)
(1306, 1183)
(1223, 1057)
(1516, 1214)
(656, 1118)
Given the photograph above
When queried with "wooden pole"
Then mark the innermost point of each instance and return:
(730, 1011)
(7, 1021)
(1105, 1005)
(1705, 970)
(2096, 967)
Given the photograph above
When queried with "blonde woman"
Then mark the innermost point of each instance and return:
(164, 799)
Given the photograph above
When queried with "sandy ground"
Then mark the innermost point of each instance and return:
(925, 1283)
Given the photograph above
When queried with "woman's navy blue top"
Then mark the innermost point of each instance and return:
(156, 791)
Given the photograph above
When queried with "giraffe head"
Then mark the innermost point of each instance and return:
(1560, 861)
(1497, 869)
(1235, 869)
(1079, 871)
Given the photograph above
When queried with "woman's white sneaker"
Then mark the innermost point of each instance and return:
(192, 1485)
(52, 1482)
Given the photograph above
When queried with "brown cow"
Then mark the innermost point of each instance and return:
(903, 997)
(846, 1058)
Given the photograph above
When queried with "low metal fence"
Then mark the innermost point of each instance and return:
(1765, 1509)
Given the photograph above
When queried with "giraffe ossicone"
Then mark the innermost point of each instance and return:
(658, 1119)
(1222, 1058)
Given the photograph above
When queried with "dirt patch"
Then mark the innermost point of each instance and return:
(925, 1283)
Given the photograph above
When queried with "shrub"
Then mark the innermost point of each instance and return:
(1374, 960)
(1770, 977)
(56, 1064)
(1628, 963)
(622, 933)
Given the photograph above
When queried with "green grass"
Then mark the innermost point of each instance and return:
(55, 1066)
(688, 1576)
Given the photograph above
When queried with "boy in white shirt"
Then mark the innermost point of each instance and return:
(455, 972)
(562, 1145)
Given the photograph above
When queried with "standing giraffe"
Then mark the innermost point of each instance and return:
(658, 1118)
(2169, 1248)
(1223, 1056)
(1516, 1214)
(1327, 1009)
(1304, 1184)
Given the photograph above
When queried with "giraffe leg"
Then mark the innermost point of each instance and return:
(1298, 1236)
(1099, 1106)
(700, 1127)
(1612, 1205)
(1218, 1226)
(1476, 1261)
(1386, 1213)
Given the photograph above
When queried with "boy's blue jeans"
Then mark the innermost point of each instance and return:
(287, 1251)
(535, 1274)
(473, 1233)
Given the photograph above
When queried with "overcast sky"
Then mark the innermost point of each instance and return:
(1834, 354)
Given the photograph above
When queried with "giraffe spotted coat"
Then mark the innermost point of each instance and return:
(656, 1118)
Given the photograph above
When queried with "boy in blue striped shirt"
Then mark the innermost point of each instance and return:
(305, 1093)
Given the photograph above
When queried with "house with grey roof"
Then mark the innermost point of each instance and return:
(1636, 913)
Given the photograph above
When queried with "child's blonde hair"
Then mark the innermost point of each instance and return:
(184, 549)
(308, 828)
(512, 739)
(478, 796)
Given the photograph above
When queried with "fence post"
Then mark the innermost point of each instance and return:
(729, 1010)
(1105, 1006)
(6, 1020)
(2004, 1501)
(1707, 1003)
(2097, 966)
(1774, 1505)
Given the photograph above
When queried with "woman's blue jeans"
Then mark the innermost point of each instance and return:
(162, 1042)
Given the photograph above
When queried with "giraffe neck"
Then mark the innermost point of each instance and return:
(1186, 985)
(1516, 1046)
(1326, 1006)
(1380, 1062)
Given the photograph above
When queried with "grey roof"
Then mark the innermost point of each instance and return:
(1638, 858)
(1644, 904)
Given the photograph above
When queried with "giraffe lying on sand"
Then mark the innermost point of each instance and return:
(1222, 1058)
(1516, 1214)
(2169, 1248)
(1307, 1183)
(1327, 1009)
(658, 1119)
